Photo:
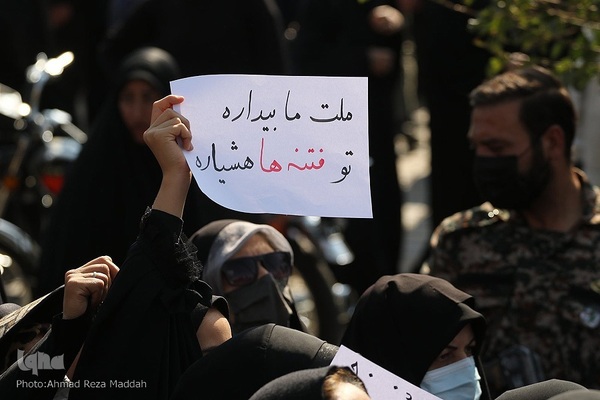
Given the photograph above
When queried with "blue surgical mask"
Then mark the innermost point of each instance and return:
(457, 381)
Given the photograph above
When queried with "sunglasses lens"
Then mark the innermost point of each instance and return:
(243, 271)
(240, 271)
(278, 264)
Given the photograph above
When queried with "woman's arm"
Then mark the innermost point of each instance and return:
(167, 130)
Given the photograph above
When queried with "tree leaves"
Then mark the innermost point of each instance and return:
(562, 35)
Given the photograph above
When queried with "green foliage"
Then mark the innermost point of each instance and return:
(562, 35)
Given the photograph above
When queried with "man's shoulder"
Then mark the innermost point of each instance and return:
(595, 201)
(482, 216)
(590, 196)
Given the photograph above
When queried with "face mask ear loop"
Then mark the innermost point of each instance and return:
(533, 144)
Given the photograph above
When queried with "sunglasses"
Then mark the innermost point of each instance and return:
(244, 270)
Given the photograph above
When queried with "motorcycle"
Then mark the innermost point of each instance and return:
(19, 255)
(36, 148)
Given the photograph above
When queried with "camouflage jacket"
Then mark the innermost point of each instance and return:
(536, 288)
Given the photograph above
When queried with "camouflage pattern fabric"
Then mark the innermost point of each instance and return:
(539, 289)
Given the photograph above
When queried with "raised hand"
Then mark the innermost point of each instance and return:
(168, 134)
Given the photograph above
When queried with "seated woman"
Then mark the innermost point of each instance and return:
(253, 358)
(424, 330)
(249, 264)
(419, 327)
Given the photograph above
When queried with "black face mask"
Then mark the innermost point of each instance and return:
(259, 303)
(499, 181)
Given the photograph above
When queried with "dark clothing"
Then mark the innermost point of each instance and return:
(142, 334)
(39, 311)
(110, 184)
(242, 365)
(403, 322)
(63, 340)
(205, 37)
(29, 27)
(450, 66)
(540, 391)
(106, 189)
(261, 301)
(335, 38)
(25, 33)
(537, 288)
(332, 39)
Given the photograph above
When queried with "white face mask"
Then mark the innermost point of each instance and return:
(457, 381)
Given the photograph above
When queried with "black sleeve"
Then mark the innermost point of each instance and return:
(142, 336)
(161, 234)
(138, 30)
(254, 357)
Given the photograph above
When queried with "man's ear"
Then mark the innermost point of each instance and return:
(553, 142)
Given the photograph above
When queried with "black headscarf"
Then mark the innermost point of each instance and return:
(150, 64)
(403, 322)
(112, 182)
(144, 331)
(239, 367)
(540, 390)
(578, 394)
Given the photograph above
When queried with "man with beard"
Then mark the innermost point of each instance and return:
(530, 255)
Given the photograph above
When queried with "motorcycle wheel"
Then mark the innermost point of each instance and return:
(18, 258)
(312, 285)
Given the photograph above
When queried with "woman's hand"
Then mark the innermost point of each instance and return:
(168, 129)
(87, 286)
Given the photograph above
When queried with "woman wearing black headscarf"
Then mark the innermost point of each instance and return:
(424, 330)
(115, 176)
(415, 326)
(251, 359)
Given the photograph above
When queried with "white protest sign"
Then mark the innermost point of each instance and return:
(293, 145)
(381, 383)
